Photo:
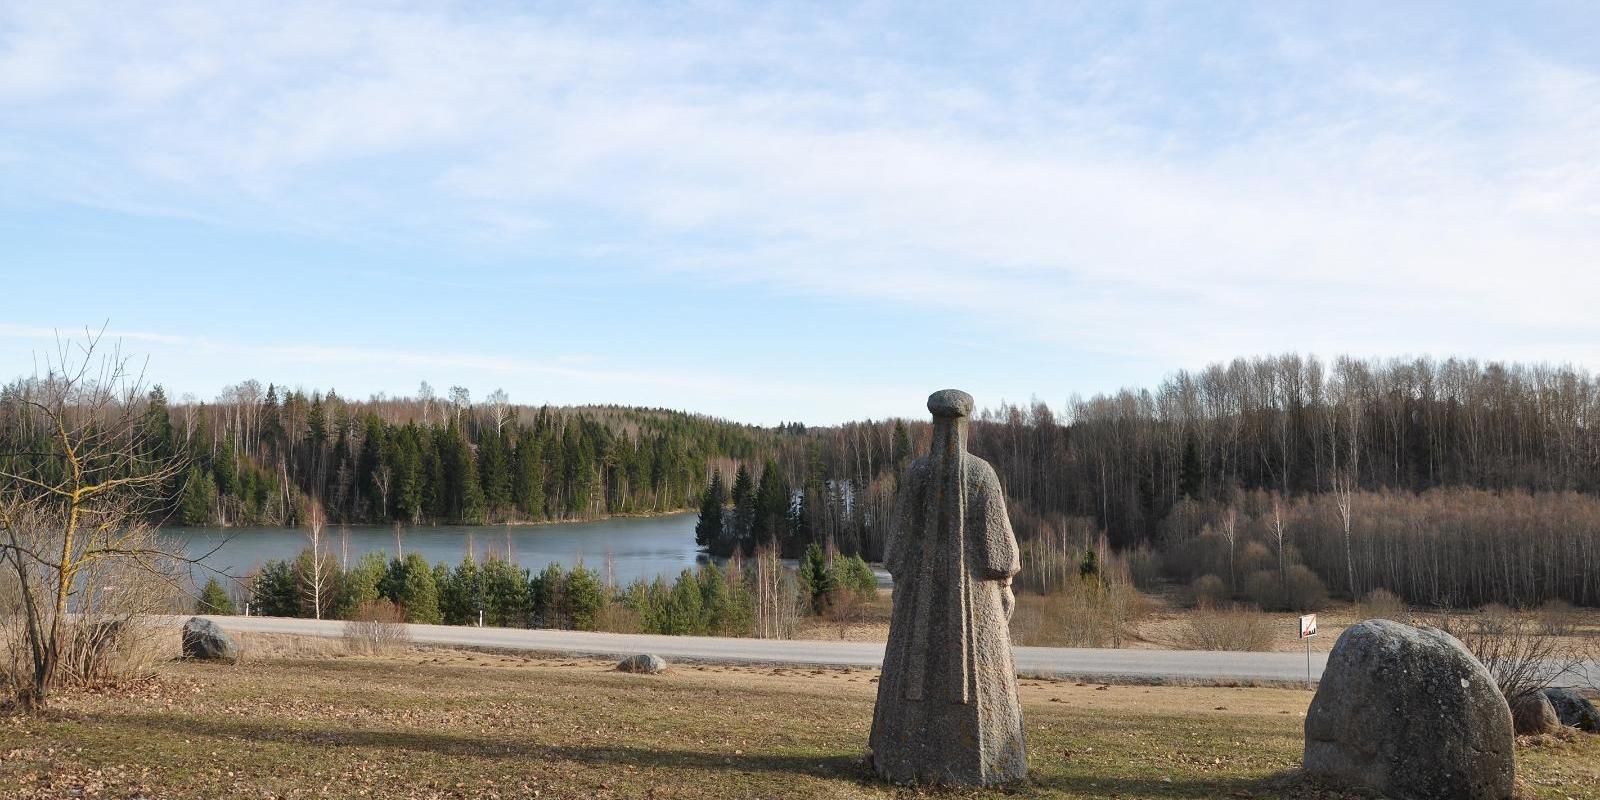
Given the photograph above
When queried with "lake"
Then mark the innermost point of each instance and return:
(638, 547)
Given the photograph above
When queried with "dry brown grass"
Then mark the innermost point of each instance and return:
(452, 724)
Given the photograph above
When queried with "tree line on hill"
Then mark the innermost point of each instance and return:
(259, 457)
(1345, 468)
(1446, 482)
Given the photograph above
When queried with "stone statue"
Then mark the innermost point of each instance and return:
(947, 709)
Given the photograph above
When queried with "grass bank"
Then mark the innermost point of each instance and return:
(301, 721)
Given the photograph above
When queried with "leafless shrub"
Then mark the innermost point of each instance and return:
(1559, 618)
(1145, 566)
(1089, 611)
(376, 627)
(1383, 604)
(1514, 647)
(1495, 619)
(617, 618)
(845, 608)
(1243, 629)
(1207, 591)
(1296, 589)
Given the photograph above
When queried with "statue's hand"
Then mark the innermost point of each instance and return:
(1008, 600)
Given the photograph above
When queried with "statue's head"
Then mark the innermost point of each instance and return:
(950, 403)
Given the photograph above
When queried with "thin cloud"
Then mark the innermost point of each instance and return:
(1106, 180)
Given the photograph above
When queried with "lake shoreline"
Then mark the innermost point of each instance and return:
(640, 545)
(448, 525)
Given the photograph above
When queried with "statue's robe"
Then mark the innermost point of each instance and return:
(947, 709)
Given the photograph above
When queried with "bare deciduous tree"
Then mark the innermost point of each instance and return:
(79, 480)
(499, 408)
(460, 401)
(315, 576)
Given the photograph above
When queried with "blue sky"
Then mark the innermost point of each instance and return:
(774, 212)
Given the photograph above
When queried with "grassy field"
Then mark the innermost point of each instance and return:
(303, 722)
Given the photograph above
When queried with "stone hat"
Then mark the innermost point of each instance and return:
(950, 403)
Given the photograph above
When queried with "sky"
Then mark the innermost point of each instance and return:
(773, 212)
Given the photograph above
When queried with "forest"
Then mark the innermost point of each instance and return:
(1447, 482)
(257, 457)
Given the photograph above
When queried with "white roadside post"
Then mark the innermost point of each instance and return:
(1308, 629)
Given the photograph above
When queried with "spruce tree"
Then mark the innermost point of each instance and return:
(772, 507)
(199, 497)
(528, 474)
(460, 597)
(902, 445)
(359, 585)
(685, 607)
(708, 529)
(214, 599)
(584, 597)
(418, 591)
(1090, 566)
(815, 577)
(744, 513)
(505, 593)
(274, 593)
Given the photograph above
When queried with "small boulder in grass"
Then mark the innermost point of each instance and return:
(1573, 710)
(643, 664)
(1533, 714)
(203, 640)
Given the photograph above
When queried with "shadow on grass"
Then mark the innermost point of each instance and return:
(847, 767)
(835, 766)
(1286, 784)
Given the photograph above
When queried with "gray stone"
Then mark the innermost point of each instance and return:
(1573, 710)
(1533, 714)
(1410, 713)
(204, 640)
(644, 663)
(947, 710)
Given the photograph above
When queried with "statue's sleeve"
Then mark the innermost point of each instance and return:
(998, 551)
(905, 519)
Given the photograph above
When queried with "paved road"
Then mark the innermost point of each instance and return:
(1138, 665)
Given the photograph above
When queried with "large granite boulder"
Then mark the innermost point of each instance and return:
(644, 663)
(1532, 714)
(205, 641)
(1410, 713)
(1573, 710)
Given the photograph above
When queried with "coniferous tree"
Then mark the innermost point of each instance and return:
(528, 473)
(274, 592)
(548, 592)
(772, 509)
(744, 512)
(815, 577)
(199, 497)
(684, 607)
(214, 599)
(461, 595)
(360, 585)
(708, 528)
(505, 593)
(584, 597)
(410, 583)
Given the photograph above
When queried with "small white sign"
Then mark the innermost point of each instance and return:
(1308, 626)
